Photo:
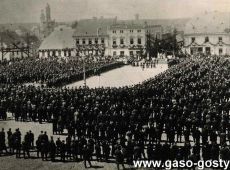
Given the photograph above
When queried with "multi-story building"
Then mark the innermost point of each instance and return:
(110, 37)
(208, 33)
(93, 42)
(99, 36)
(126, 40)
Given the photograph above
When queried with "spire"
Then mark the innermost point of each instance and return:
(48, 15)
(42, 17)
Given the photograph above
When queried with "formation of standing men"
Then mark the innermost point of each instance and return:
(188, 102)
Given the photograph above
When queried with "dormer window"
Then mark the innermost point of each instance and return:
(206, 39)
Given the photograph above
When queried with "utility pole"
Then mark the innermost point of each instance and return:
(2, 48)
(28, 44)
(84, 78)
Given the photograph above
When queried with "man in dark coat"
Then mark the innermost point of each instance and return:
(86, 155)
(52, 148)
(119, 157)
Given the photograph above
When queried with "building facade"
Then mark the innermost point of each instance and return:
(93, 44)
(113, 38)
(208, 34)
(126, 40)
(213, 43)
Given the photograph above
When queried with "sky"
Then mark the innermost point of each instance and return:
(18, 11)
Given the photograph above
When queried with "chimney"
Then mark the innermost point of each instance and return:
(136, 16)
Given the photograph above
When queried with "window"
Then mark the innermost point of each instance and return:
(102, 40)
(206, 39)
(220, 51)
(131, 41)
(138, 30)
(131, 31)
(121, 31)
(96, 40)
(114, 31)
(131, 53)
(193, 39)
(114, 53)
(122, 53)
(90, 41)
(220, 39)
(83, 41)
(77, 41)
(114, 41)
(121, 41)
(59, 53)
(139, 41)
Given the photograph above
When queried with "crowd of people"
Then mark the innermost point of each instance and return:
(188, 102)
(53, 71)
(46, 148)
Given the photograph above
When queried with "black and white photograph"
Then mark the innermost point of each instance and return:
(114, 84)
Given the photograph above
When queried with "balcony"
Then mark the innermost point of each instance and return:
(114, 45)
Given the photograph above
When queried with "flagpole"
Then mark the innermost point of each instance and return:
(84, 70)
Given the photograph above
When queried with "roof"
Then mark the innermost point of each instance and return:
(8, 38)
(212, 22)
(60, 38)
(93, 27)
(90, 27)
(126, 26)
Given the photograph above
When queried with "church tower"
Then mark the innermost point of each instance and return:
(47, 25)
(42, 17)
(48, 13)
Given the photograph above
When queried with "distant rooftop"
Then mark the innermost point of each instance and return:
(60, 38)
(99, 26)
(208, 22)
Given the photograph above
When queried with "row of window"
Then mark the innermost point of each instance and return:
(122, 53)
(53, 53)
(90, 41)
(206, 39)
(122, 31)
(131, 41)
(206, 50)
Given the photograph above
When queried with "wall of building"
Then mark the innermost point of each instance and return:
(117, 33)
(126, 34)
(216, 45)
(57, 53)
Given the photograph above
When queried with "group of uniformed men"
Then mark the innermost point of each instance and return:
(188, 101)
